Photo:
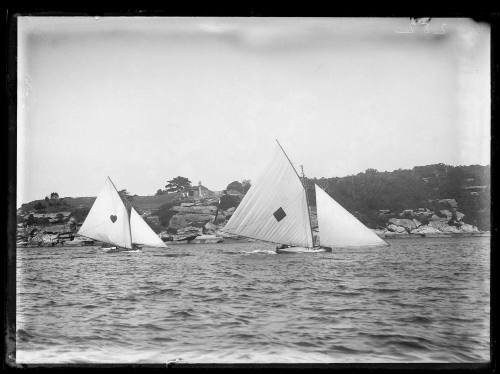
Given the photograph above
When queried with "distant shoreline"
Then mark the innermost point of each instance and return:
(485, 234)
(438, 235)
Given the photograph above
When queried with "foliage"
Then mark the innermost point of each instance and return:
(79, 214)
(165, 212)
(242, 186)
(159, 192)
(228, 201)
(246, 184)
(54, 196)
(178, 184)
(126, 197)
(30, 220)
(39, 206)
(237, 186)
(420, 187)
(124, 194)
(156, 228)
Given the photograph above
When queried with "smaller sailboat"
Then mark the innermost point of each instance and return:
(275, 209)
(109, 221)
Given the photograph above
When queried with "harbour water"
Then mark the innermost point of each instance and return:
(424, 300)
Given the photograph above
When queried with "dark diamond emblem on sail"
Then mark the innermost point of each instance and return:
(113, 218)
(279, 214)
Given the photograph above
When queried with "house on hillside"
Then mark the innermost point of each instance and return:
(198, 192)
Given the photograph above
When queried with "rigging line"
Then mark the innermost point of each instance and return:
(128, 214)
(301, 182)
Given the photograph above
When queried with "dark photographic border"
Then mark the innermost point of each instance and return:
(10, 151)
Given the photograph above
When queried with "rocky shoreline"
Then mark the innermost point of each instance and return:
(201, 221)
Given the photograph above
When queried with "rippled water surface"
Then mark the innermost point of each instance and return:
(420, 300)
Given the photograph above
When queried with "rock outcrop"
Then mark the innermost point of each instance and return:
(399, 224)
(446, 220)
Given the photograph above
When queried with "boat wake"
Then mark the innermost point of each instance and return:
(264, 251)
(121, 250)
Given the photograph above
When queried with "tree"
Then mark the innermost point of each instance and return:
(178, 184)
(246, 184)
(39, 206)
(227, 201)
(165, 212)
(159, 192)
(54, 196)
(72, 224)
(237, 186)
(79, 214)
(30, 220)
(125, 195)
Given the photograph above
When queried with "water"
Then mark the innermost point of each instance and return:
(420, 300)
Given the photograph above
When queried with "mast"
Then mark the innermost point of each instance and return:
(305, 191)
(129, 228)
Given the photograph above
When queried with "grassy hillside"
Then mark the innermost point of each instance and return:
(72, 204)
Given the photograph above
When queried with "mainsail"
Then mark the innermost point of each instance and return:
(275, 207)
(142, 233)
(338, 227)
(108, 219)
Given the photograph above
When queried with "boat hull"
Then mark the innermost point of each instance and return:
(303, 250)
(119, 249)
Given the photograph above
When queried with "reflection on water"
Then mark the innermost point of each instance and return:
(424, 300)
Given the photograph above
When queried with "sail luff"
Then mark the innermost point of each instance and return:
(128, 214)
(304, 188)
(126, 209)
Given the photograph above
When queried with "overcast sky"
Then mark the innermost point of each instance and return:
(143, 100)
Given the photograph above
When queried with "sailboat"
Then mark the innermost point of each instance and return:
(275, 209)
(109, 221)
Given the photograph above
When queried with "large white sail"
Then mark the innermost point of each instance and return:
(338, 227)
(142, 233)
(108, 219)
(275, 207)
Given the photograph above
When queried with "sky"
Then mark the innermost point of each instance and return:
(145, 99)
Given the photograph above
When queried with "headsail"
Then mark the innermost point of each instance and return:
(338, 227)
(108, 219)
(275, 207)
(142, 233)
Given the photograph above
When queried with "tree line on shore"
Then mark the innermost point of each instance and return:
(369, 192)
(365, 194)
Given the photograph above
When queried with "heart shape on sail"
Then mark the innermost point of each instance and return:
(113, 218)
